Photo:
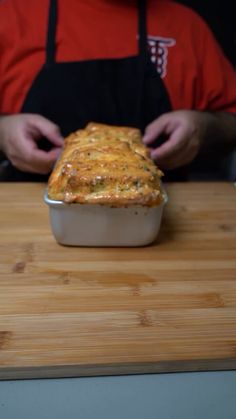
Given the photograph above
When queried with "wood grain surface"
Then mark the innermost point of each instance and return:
(171, 306)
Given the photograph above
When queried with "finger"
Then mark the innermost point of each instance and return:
(176, 142)
(42, 161)
(47, 129)
(24, 167)
(183, 158)
(156, 128)
(37, 161)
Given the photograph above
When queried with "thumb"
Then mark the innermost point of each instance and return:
(155, 129)
(47, 129)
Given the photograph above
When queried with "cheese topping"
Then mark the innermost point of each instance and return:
(107, 165)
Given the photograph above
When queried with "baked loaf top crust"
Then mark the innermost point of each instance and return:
(107, 165)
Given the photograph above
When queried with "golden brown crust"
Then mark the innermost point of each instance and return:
(107, 165)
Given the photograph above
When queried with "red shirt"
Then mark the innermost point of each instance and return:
(192, 65)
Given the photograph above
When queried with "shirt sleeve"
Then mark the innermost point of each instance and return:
(217, 78)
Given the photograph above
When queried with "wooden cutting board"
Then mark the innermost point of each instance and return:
(84, 311)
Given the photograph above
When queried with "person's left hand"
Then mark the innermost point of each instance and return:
(185, 132)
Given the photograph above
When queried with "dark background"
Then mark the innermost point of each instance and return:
(221, 17)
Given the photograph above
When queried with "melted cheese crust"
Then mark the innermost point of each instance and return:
(107, 165)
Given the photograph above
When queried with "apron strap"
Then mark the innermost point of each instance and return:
(52, 24)
(142, 29)
(51, 33)
(143, 59)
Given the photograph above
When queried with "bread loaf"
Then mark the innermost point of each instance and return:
(106, 165)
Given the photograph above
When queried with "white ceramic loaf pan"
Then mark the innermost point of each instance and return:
(99, 225)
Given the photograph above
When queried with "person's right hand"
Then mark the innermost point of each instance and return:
(19, 136)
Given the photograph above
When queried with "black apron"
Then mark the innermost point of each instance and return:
(126, 91)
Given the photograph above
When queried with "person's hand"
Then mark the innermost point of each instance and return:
(19, 136)
(184, 131)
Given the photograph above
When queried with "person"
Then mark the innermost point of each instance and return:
(150, 64)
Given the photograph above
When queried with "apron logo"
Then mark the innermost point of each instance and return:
(158, 49)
